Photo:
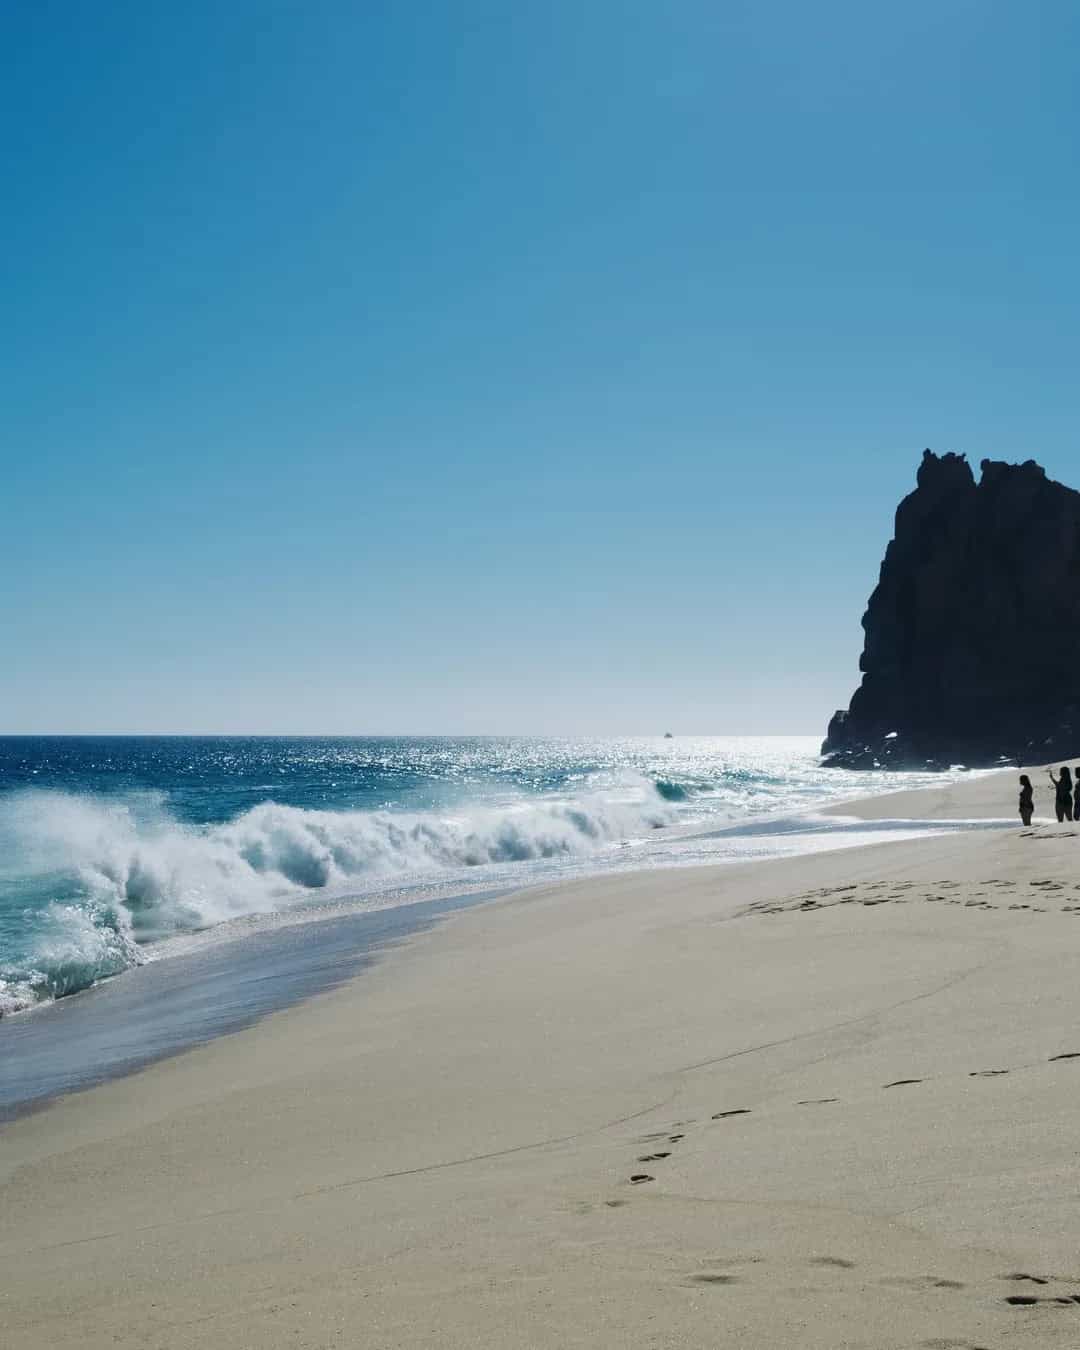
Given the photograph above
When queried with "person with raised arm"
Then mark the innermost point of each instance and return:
(1063, 793)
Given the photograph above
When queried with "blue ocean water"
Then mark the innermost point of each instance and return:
(112, 849)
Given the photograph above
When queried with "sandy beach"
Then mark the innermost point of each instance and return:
(825, 1102)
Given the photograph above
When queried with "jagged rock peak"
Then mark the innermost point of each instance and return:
(972, 646)
(944, 473)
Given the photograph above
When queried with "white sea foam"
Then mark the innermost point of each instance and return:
(89, 882)
(18, 994)
(125, 873)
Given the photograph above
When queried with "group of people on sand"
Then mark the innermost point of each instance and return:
(1065, 799)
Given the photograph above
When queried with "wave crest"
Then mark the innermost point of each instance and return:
(119, 874)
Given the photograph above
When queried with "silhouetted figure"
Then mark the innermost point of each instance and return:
(1027, 799)
(1063, 793)
(1076, 794)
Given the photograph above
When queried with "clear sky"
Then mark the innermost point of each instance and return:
(507, 367)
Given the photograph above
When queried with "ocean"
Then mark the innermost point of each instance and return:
(181, 887)
(113, 848)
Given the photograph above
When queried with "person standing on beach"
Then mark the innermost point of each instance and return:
(1063, 793)
(1076, 795)
(1027, 799)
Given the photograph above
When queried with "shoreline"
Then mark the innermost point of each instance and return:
(841, 1074)
(275, 959)
(74, 1044)
(221, 857)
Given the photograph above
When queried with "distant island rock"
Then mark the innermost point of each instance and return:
(972, 647)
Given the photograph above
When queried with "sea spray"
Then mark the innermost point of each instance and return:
(110, 844)
(121, 874)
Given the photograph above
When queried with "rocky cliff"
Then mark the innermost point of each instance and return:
(972, 648)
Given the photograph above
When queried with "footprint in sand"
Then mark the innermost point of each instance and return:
(903, 1082)
(739, 1111)
(657, 1135)
(1069, 1054)
(921, 1282)
(987, 1073)
(638, 1177)
(715, 1279)
(1029, 1300)
(837, 1261)
(818, 1101)
(653, 1157)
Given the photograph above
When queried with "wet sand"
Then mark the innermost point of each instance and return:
(819, 1102)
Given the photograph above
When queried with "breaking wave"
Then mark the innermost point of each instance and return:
(104, 877)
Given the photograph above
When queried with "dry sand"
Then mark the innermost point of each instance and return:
(848, 1081)
(983, 796)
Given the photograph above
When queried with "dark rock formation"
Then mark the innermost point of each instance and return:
(972, 650)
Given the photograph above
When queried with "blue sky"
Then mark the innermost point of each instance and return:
(476, 367)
